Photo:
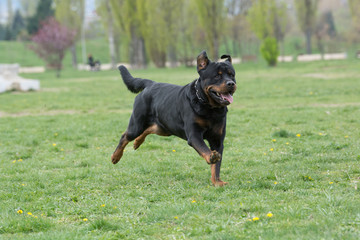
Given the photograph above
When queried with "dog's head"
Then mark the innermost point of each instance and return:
(217, 79)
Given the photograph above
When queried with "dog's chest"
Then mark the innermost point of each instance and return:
(211, 126)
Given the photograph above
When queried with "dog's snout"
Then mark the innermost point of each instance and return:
(230, 84)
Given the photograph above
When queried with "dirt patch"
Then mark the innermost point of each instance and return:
(48, 113)
(317, 75)
(325, 76)
(62, 89)
(335, 105)
(61, 112)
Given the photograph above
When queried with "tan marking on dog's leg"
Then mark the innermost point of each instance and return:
(216, 181)
(153, 129)
(116, 156)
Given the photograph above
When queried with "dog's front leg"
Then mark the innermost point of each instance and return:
(217, 145)
(197, 142)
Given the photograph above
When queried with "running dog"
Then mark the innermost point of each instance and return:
(194, 112)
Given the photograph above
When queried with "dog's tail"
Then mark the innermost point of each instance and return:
(135, 85)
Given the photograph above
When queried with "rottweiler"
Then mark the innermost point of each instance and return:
(194, 112)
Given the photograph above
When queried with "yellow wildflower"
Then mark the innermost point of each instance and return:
(176, 217)
(271, 149)
(256, 219)
(174, 150)
(275, 183)
(269, 215)
(331, 182)
(54, 144)
(274, 140)
(193, 201)
(29, 213)
(85, 219)
(298, 135)
(20, 211)
(103, 205)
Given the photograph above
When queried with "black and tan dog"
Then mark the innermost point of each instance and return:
(193, 112)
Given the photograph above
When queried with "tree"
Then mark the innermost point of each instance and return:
(43, 11)
(129, 15)
(211, 15)
(306, 16)
(268, 20)
(51, 42)
(189, 29)
(236, 12)
(105, 10)
(69, 13)
(17, 24)
(261, 20)
(28, 8)
(10, 12)
(325, 30)
(2, 32)
(269, 50)
(161, 30)
(354, 6)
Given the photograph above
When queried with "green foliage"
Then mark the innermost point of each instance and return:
(268, 18)
(43, 11)
(260, 19)
(18, 24)
(55, 149)
(306, 14)
(270, 51)
(70, 13)
(211, 15)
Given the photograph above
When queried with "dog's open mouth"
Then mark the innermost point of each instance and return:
(222, 98)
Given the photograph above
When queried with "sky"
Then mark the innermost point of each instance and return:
(90, 7)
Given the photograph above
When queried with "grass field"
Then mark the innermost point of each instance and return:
(19, 52)
(292, 160)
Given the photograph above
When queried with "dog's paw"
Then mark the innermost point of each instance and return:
(114, 159)
(219, 183)
(215, 157)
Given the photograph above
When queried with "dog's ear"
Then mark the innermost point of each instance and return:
(228, 58)
(202, 61)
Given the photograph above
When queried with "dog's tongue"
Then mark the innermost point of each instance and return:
(227, 97)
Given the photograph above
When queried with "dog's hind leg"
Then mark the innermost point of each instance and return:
(116, 156)
(153, 129)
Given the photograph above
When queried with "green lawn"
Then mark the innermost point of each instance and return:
(19, 52)
(292, 149)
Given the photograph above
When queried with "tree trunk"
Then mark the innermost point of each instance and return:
(308, 41)
(111, 35)
(73, 55)
(83, 43)
(172, 56)
(137, 51)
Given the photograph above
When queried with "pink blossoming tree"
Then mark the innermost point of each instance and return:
(51, 42)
